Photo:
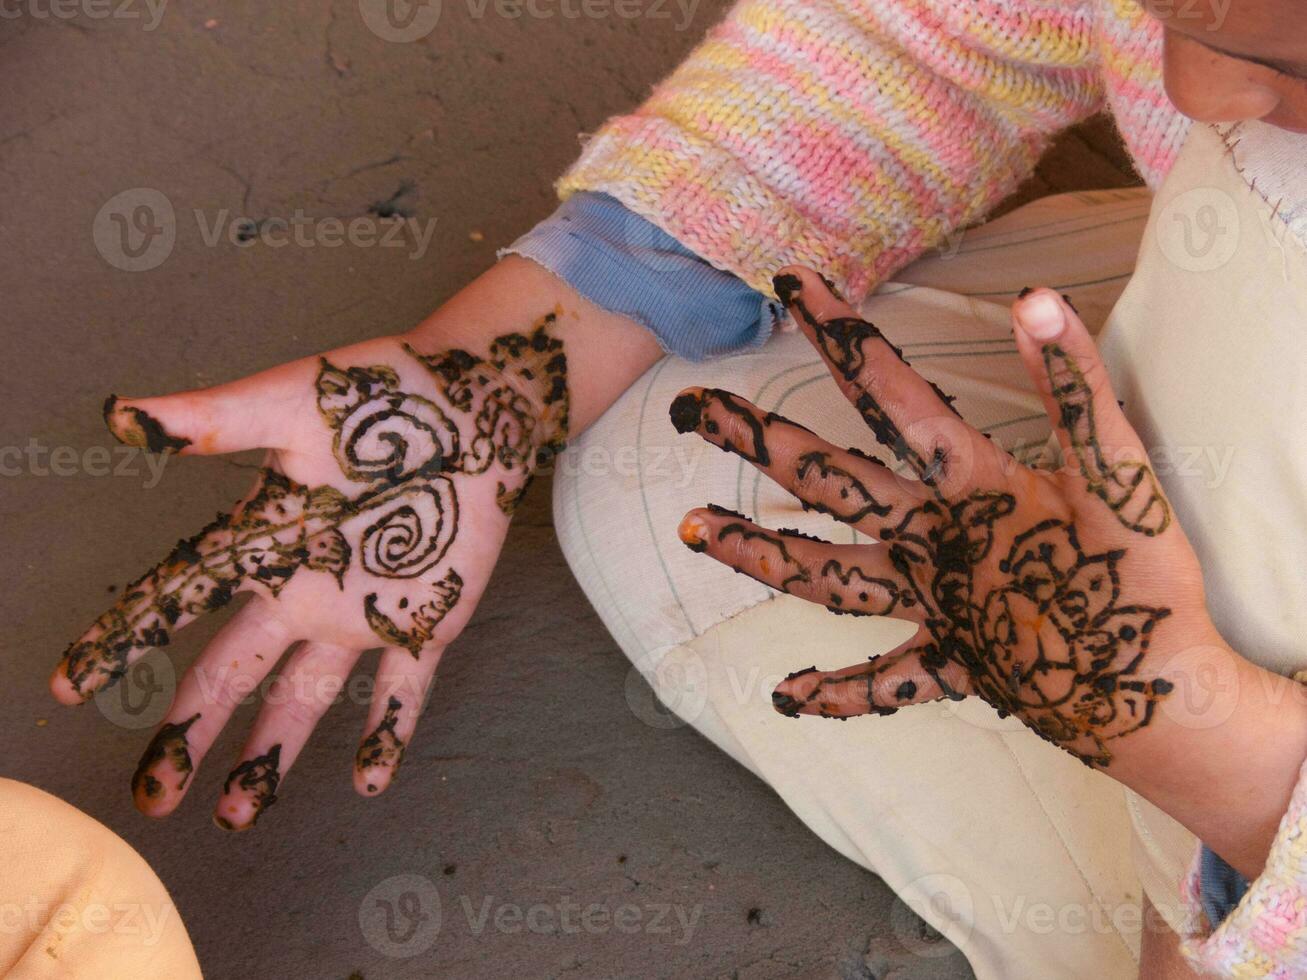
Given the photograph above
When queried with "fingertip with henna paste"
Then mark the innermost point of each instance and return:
(785, 704)
(373, 781)
(236, 815)
(687, 410)
(138, 428)
(62, 687)
(1041, 315)
(787, 286)
(693, 532)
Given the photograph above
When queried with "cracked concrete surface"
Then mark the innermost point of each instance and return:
(531, 782)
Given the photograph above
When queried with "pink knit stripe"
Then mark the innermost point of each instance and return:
(853, 134)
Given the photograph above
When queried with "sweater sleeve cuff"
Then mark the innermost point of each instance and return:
(1266, 933)
(626, 265)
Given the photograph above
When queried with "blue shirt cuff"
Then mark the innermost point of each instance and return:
(1221, 888)
(627, 265)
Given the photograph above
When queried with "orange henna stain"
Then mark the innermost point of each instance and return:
(693, 530)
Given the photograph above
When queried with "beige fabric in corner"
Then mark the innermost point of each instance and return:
(1208, 348)
(77, 902)
(1018, 854)
(1012, 849)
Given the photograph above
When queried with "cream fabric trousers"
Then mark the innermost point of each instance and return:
(1013, 850)
(77, 902)
(1032, 864)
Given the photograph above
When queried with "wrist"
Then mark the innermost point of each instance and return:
(605, 352)
(1223, 754)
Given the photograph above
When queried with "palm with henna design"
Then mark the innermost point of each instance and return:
(1041, 591)
(391, 477)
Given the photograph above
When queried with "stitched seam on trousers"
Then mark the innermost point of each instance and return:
(1066, 846)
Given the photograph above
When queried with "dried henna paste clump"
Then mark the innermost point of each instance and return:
(420, 622)
(136, 427)
(257, 779)
(686, 412)
(786, 704)
(382, 748)
(725, 512)
(794, 532)
(788, 287)
(169, 748)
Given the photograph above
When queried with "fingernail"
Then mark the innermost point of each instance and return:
(1041, 316)
(693, 532)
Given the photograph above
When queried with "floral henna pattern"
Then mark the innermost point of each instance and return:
(857, 584)
(509, 427)
(257, 779)
(169, 748)
(403, 448)
(750, 444)
(1130, 489)
(1014, 610)
(1080, 690)
(382, 747)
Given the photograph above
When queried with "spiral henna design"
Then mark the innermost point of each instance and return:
(409, 448)
(406, 450)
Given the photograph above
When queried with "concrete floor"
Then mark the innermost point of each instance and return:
(511, 796)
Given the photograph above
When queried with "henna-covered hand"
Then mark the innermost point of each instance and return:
(1043, 592)
(391, 478)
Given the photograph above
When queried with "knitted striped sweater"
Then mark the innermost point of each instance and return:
(852, 135)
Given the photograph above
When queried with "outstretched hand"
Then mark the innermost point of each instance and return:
(391, 477)
(1045, 592)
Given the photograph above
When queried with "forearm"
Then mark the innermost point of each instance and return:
(1223, 753)
(605, 352)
